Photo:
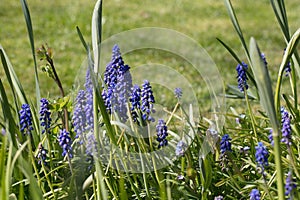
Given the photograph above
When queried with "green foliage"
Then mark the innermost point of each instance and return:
(202, 171)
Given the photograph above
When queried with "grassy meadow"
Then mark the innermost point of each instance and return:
(54, 23)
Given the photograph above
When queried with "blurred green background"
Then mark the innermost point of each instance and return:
(54, 23)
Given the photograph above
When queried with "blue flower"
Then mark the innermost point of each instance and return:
(79, 116)
(225, 144)
(242, 76)
(89, 113)
(45, 115)
(122, 92)
(180, 148)
(147, 101)
(42, 155)
(270, 137)
(118, 83)
(219, 198)
(286, 127)
(65, 143)
(254, 195)
(162, 133)
(135, 100)
(287, 67)
(263, 57)
(290, 185)
(261, 156)
(178, 93)
(91, 146)
(25, 119)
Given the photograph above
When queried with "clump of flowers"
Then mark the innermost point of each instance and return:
(290, 185)
(254, 194)
(242, 76)
(42, 155)
(118, 84)
(45, 115)
(180, 148)
(263, 57)
(135, 100)
(178, 93)
(88, 107)
(79, 116)
(162, 133)
(65, 142)
(219, 197)
(26, 119)
(261, 156)
(286, 127)
(148, 100)
(225, 144)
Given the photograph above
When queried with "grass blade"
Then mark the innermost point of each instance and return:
(8, 116)
(96, 34)
(236, 25)
(291, 47)
(12, 77)
(82, 38)
(31, 39)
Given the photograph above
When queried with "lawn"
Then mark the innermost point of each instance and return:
(55, 23)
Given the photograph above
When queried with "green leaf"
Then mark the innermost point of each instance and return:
(31, 39)
(236, 25)
(96, 34)
(264, 84)
(291, 47)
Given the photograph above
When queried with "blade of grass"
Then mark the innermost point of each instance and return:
(12, 77)
(82, 38)
(31, 39)
(236, 25)
(287, 55)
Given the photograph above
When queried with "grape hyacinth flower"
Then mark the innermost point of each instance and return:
(290, 185)
(254, 194)
(91, 146)
(135, 100)
(263, 57)
(26, 119)
(178, 93)
(286, 127)
(219, 198)
(122, 91)
(225, 144)
(42, 155)
(3, 132)
(261, 156)
(162, 133)
(147, 101)
(287, 67)
(242, 77)
(118, 84)
(270, 137)
(65, 142)
(45, 115)
(180, 148)
(79, 115)
(89, 113)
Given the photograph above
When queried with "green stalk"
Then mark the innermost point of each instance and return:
(253, 122)
(277, 152)
(48, 180)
